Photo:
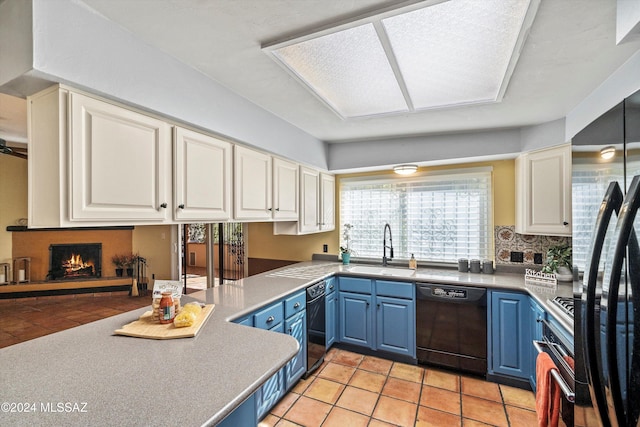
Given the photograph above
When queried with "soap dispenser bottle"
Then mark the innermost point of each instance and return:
(413, 264)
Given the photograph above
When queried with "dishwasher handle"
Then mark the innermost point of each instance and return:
(452, 294)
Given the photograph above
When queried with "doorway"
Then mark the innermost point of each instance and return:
(212, 254)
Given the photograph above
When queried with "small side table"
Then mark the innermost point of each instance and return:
(21, 270)
(5, 273)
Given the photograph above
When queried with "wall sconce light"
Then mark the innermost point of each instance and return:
(405, 169)
(608, 152)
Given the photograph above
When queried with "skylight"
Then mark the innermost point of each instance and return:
(440, 55)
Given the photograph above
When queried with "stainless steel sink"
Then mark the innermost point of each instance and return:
(381, 271)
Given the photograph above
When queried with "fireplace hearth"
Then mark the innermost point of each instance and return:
(73, 261)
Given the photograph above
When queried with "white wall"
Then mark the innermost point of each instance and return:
(432, 149)
(622, 83)
(627, 20)
(15, 39)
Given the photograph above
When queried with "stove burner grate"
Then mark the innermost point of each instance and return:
(565, 304)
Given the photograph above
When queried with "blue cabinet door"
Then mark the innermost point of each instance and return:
(356, 320)
(331, 305)
(273, 389)
(243, 415)
(536, 316)
(395, 325)
(510, 335)
(296, 326)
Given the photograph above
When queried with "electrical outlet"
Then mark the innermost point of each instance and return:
(517, 256)
(325, 248)
(537, 258)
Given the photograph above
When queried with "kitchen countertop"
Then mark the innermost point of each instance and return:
(192, 381)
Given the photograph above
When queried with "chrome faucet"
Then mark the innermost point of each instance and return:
(384, 245)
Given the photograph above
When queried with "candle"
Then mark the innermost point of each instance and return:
(20, 275)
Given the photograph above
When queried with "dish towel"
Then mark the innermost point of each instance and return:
(547, 392)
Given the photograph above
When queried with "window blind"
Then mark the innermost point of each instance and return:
(436, 217)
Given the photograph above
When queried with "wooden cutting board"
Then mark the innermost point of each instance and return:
(146, 327)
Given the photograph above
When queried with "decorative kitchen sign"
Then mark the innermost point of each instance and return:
(539, 277)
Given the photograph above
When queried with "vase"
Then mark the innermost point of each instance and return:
(129, 272)
(564, 274)
(346, 258)
(119, 272)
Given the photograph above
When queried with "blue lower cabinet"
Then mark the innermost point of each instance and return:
(356, 320)
(395, 325)
(510, 338)
(273, 389)
(331, 307)
(296, 326)
(243, 415)
(536, 316)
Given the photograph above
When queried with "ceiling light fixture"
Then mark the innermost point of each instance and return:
(405, 169)
(608, 152)
(431, 54)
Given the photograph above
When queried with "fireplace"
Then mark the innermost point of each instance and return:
(75, 261)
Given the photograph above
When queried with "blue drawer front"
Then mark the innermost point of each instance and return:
(355, 284)
(295, 304)
(269, 317)
(395, 289)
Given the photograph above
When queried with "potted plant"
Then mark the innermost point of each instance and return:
(346, 250)
(119, 261)
(130, 261)
(559, 262)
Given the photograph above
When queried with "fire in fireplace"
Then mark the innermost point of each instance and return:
(75, 261)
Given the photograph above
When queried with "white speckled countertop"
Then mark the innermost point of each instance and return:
(192, 381)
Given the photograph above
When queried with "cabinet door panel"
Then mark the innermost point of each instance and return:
(309, 213)
(119, 163)
(252, 180)
(327, 201)
(536, 315)
(202, 172)
(356, 321)
(285, 190)
(544, 191)
(510, 334)
(296, 326)
(395, 325)
(331, 307)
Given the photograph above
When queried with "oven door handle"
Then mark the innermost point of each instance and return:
(315, 299)
(566, 390)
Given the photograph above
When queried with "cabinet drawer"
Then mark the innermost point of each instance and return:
(395, 289)
(268, 317)
(355, 284)
(295, 304)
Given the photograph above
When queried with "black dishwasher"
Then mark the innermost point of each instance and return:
(451, 327)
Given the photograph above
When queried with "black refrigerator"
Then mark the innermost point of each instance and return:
(606, 198)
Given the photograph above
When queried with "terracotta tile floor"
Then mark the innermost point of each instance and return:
(23, 319)
(350, 389)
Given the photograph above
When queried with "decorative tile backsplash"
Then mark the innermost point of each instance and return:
(508, 241)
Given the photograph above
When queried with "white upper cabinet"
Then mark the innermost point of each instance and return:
(543, 191)
(202, 177)
(252, 180)
(285, 190)
(317, 204)
(309, 221)
(92, 163)
(119, 163)
(327, 202)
